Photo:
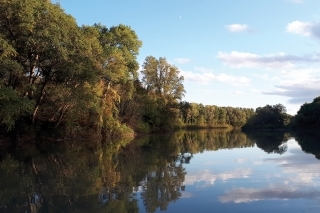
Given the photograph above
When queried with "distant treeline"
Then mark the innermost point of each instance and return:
(59, 78)
(199, 115)
(267, 117)
(275, 117)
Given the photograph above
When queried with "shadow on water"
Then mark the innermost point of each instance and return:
(270, 141)
(309, 142)
(89, 176)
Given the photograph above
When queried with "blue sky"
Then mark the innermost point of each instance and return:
(243, 53)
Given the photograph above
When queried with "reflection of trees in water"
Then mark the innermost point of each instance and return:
(73, 177)
(200, 141)
(270, 141)
(156, 167)
(166, 155)
(62, 178)
(309, 142)
(163, 186)
(185, 158)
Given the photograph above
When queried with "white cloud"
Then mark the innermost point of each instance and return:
(203, 69)
(238, 28)
(264, 76)
(209, 91)
(256, 91)
(182, 60)
(235, 80)
(238, 92)
(292, 79)
(267, 77)
(299, 85)
(273, 61)
(304, 28)
(207, 77)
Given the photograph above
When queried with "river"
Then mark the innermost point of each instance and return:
(187, 171)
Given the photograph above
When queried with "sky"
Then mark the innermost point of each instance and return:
(243, 53)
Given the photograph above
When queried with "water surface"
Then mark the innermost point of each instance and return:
(188, 171)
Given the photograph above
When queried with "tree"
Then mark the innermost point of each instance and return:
(41, 49)
(162, 79)
(164, 87)
(309, 114)
(12, 106)
(120, 46)
(236, 117)
(209, 114)
(194, 113)
(185, 111)
(269, 117)
(70, 75)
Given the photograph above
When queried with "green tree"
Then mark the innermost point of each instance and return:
(193, 113)
(12, 106)
(120, 46)
(309, 114)
(162, 79)
(185, 111)
(269, 117)
(222, 115)
(46, 50)
(70, 75)
(210, 115)
(164, 87)
(236, 117)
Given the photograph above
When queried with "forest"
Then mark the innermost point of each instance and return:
(58, 78)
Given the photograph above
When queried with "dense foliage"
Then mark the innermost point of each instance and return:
(269, 117)
(58, 77)
(199, 115)
(55, 73)
(309, 114)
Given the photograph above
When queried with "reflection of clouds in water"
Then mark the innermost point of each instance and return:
(243, 195)
(257, 163)
(299, 180)
(185, 194)
(210, 178)
(302, 168)
(211, 163)
(305, 175)
(241, 160)
(293, 144)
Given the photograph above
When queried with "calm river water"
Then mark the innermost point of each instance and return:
(188, 171)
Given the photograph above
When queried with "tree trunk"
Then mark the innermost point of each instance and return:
(34, 114)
